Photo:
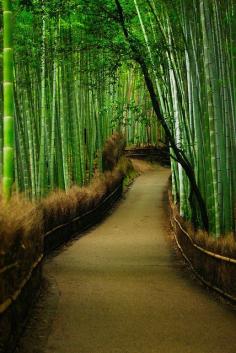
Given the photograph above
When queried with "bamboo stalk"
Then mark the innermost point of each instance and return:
(8, 118)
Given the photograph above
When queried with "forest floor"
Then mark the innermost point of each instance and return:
(122, 288)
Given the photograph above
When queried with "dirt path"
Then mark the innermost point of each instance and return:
(121, 289)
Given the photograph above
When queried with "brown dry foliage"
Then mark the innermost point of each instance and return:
(60, 207)
(220, 274)
(224, 245)
(113, 150)
(124, 166)
(20, 229)
(83, 199)
(21, 242)
(141, 166)
(22, 223)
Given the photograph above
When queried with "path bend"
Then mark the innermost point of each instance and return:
(121, 289)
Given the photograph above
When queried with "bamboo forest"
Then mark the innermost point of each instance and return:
(118, 176)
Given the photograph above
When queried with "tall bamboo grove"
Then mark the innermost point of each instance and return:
(68, 101)
(190, 45)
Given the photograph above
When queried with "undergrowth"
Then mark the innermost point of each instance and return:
(224, 245)
(21, 242)
(23, 223)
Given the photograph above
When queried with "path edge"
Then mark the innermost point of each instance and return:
(210, 268)
(16, 309)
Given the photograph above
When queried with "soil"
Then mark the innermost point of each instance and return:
(122, 289)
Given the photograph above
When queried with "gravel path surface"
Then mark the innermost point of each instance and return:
(122, 289)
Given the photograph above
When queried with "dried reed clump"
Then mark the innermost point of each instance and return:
(224, 245)
(20, 238)
(83, 199)
(124, 166)
(98, 190)
(141, 166)
(58, 208)
(112, 179)
(21, 242)
(61, 207)
(112, 152)
(22, 224)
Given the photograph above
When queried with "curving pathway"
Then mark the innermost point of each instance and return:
(121, 289)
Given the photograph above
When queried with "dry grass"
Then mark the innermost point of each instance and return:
(124, 166)
(20, 229)
(21, 242)
(57, 208)
(61, 207)
(113, 150)
(141, 166)
(220, 274)
(224, 245)
(22, 223)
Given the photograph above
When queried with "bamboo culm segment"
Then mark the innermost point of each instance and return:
(8, 94)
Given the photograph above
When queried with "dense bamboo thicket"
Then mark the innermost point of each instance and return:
(131, 111)
(69, 98)
(187, 50)
(83, 70)
(201, 96)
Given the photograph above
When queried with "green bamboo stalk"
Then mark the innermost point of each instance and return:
(212, 124)
(42, 189)
(8, 118)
